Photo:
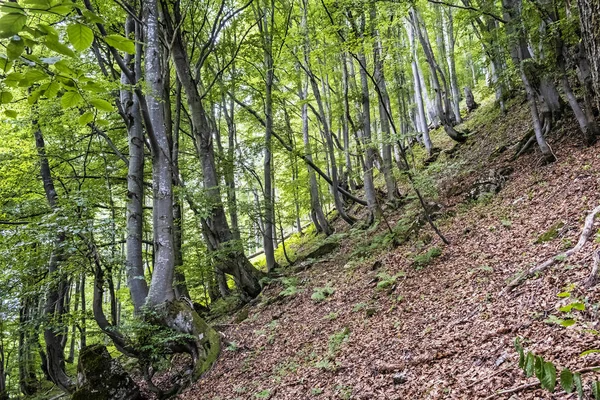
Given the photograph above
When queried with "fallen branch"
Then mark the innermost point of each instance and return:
(591, 280)
(583, 238)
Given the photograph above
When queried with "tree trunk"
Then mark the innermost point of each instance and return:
(589, 18)
(384, 104)
(421, 124)
(134, 263)
(449, 44)
(161, 287)
(54, 306)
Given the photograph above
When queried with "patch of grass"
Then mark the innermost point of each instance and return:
(331, 316)
(359, 306)
(550, 234)
(290, 285)
(322, 293)
(422, 260)
(336, 340)
(386, 280)
(263, 394)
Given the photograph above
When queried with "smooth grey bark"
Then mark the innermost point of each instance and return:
(433, 66)
(172, 127)
(421, 120)
(215, 228)
(161, 287)
(266, 24)
(520, 53)
(229, 174)
(346, 122)
(339, 204)
(319, 219)
(134, 263)
(384, 103)
(54, 307)
(449, 44)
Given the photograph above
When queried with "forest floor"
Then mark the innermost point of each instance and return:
(447, 325)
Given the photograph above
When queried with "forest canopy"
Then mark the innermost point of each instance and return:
(157, 154)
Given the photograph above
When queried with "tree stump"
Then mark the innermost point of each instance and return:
(470, 99)
(101, 377)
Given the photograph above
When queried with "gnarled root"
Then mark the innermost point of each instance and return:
(583, 238)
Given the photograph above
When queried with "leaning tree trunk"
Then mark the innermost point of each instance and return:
(55, 296)
(216, 229)
(384, 104)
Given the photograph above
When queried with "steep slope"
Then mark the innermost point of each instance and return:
(446, 326)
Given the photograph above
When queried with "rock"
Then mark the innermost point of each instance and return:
(241, 316)
(490, 184)
(399, 378)
(100, 377)
(322, 250)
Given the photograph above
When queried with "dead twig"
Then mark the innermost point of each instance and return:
(583, 238)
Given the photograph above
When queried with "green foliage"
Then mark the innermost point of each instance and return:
(550, 234)
(322, 293)
(263, 394)
(422, 260)
(386, 280)
(546, 373)
(290, 286)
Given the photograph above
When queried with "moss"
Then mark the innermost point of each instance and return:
(550, 234)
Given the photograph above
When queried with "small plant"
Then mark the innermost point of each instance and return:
(263, 394)
(568, 308)
(423, 260)
(546, 372)
(386, 280)
(359, 306)
(331, 316)
(337, 339)
(232, 346)
(316, 391)
(322, 293)
(290, 287)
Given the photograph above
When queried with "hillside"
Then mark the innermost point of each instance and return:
(441, 327)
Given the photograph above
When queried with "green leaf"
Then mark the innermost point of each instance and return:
(592, 351)
(5, 97)
(548, 379)
(578, 385)
(34, 96)
(529, 364)
(568, 322)
(596, 390)
(13, 79)
(519, 348)
(120, 43)
(92, 18)
(86, 118)
(5, 63)
(578, 306)
(11, 24)
(566, 308)
(11, 8)
(80, 36)
(566, 380)
(15, 47)
(52, 90)
(70, 99)
(102, 105)
(53, 44)
(34, 75)
(10, 113)
(564, 294)
(539, 367)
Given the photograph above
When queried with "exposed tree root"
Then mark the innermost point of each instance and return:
(591, 280)
(583, 238)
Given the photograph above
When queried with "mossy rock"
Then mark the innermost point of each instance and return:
(322, 250)
(241, 316)
(550, 234)
(100, 377)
